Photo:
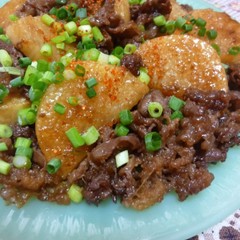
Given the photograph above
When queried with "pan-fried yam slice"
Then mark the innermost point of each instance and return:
(117, 89)
(178, 62)
(8, 9)
(228, 32)
(28, 35)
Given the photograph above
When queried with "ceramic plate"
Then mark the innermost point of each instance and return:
(169, 220)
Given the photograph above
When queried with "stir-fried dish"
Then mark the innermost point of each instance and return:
(120, 99)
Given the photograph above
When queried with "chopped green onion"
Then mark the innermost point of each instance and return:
(200, 22)
(26, 116)
(58, 78)
(81, 13)
(125, 117)
(62, 13)
(91, 92)
(79, 70)
(22, 162)
(71, 27)
(24, 62)
(13, 17)
(175, 103)
(53, 11)
(11, 70)
(3, 92)
(97, 35)
(122, 158)
(234, 50)
(1, 30)
(57, 67)
(69, 74)
(211, 34)
(46, 19)
(46, 50)
(217, 48)
(170, 26)
(53, 165)
(121, 130)
(3, 146)
(60, 46)
(91, 82)
(75, 193)
(17, 82)
(91, 136)
(113, 60)
(91, 54)
(129, 48)
(73, 101)
(4, 38)
(159, 20)
(22, 142)
(176, 115)
(5, 58)
(103, 58)
(62, 2)
(180, 22)
(42, 65)
(155, 109)
(5, 131)
(202, 31)
(187, 27)
(84, 21)
(24, 151)
(59, 108)
(74, 137)
(58, 39)
(143, 75)
(118, 52)
(153, 141)
(4, 167)
(132, 2)
(84, 30)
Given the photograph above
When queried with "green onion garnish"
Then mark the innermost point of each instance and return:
(121, 130)
(91, 82)
(75, 193)
(79, 70)
(26, 116)
(97, 35)
(5, 131)
(170, 26)
(91, 93)
(24, 151)
(73, 101)
(153, 141)
(5, 58)
(17, 82)
(202, 31)
(22, 162)
(53, 165)
(122, 158)
(211, 34)
(4, 167)
(91, 54)
(81, 13)
(125, 117)
(71, 27)
(22, 142)
(155, 109)
(74, 137)
(91, 136)
(24, 62)
(234, 50)
(176, 115)
(118, 52)
(62, 13)
(46, 19)
(180, 22)
(59, 108)
(175, 103)
(129, 48)
(159, 20)
(200, 22)
(46, 50)
(3, 147)
(113, 60)
(3, 92)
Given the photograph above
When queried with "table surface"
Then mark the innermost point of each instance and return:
(228, 229)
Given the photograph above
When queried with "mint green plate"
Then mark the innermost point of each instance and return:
(169, 220)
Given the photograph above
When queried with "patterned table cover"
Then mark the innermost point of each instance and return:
(229, 229)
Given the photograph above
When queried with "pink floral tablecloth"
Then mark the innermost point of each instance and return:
(228, 229)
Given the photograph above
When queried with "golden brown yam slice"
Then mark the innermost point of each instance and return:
(178, 10)
(178, 62)
(28, 35)
(8, 9)
(117, 89)
(228, 32)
